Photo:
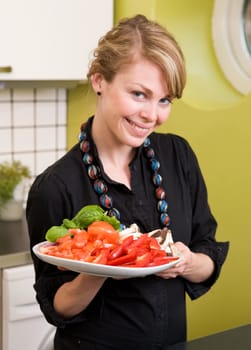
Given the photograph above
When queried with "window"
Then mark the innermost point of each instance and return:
(231, 30)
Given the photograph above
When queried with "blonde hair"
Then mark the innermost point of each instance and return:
(139, 37)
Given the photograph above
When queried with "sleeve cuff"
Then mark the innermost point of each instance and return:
(218, 253)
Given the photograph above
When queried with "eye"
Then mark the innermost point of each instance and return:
(165, 101)
(138, 94)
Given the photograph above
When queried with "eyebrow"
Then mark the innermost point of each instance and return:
(144, 88)
(151, 92)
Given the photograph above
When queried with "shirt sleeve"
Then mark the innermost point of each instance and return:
(204, 225)
(46, 287)
(48, 203)
(217, 252)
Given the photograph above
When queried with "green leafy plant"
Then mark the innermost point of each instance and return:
(11, 174)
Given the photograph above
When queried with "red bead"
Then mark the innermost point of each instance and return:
(160, 193)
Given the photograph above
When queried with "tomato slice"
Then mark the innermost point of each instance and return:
(101, 256)
(48, 249)
(104, 231)
(64, 239)
(80, 239)
(81, 254)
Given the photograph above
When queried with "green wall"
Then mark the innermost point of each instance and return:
(215, 119)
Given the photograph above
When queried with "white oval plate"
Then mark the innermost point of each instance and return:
(98, 269)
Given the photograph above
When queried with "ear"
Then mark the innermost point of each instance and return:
(96, 81)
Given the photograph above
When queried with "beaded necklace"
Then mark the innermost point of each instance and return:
(101, 188)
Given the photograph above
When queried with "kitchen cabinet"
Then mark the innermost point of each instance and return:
(50, 40)
(21, 313)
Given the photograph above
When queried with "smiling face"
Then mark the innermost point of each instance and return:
(132, 105)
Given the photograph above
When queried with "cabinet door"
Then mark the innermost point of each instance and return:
(50, 39)
(23, 325)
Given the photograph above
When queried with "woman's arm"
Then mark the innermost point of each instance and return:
(74, 296)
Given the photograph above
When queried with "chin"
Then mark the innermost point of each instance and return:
(135, 143)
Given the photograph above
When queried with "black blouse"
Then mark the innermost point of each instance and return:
(144, 313)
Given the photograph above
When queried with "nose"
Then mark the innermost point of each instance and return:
(149, 111)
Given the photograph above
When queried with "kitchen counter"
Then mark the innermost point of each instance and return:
(14, 244)
(232, 339)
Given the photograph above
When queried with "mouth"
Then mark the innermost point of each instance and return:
(138, 129)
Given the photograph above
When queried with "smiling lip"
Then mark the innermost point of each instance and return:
(137, 129)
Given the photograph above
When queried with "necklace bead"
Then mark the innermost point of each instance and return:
(162, 206)
(82, 135)
(105, 201)
(93, 172)
(85, 146)
(164, 219)
(154, 163)
(160, 193)
(101, 188)
(114, 212)
(87, 158)
(157, 179)
(150, 152)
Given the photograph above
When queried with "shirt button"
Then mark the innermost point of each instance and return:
(160, 316)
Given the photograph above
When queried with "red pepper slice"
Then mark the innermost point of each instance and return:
(158, 253)
(142, 241)
(123, 260)
(154, 244)
(162, 260)
(121, 249)
(143, 260)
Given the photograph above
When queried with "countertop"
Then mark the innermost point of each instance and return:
(233, 339)
(14, 244)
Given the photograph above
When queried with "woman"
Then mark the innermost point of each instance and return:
(137, 71)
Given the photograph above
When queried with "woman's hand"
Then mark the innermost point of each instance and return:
(195, 267)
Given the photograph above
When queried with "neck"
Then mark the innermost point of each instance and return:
(115, 156)
(116, 164)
